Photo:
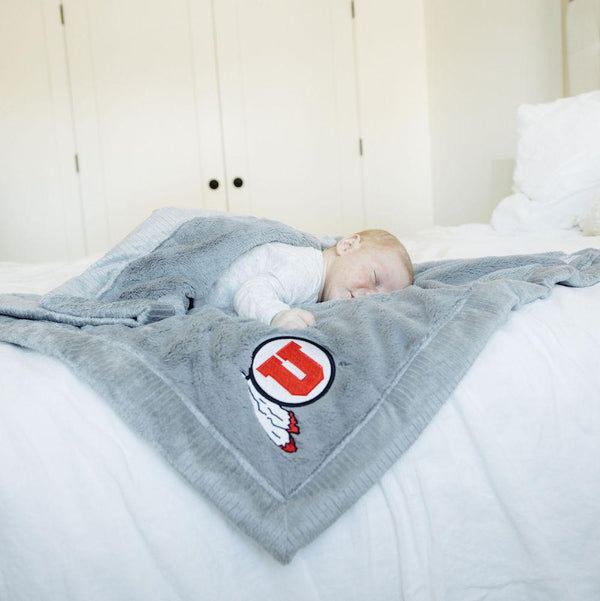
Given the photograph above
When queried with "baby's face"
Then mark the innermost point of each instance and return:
(365, 270)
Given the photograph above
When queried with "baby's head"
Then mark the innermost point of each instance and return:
(364, 263)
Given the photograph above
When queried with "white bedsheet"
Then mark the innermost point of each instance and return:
(499, 499)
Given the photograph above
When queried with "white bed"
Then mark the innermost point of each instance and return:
(498, 499)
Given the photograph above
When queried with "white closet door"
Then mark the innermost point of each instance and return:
(40, 217)
(144, 87)
(289, 109)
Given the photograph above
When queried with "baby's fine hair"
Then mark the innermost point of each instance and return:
(384, 240)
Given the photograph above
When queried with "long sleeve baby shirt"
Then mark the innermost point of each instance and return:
(268, 279)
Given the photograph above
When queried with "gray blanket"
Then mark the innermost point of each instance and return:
(283, 430)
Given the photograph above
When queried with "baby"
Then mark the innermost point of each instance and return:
(265, 282)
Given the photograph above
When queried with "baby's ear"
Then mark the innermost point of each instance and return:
(347, 243)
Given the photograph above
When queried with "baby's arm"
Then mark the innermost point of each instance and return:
(261, 297)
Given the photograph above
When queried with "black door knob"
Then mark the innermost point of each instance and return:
(238, 182)
(213, 184)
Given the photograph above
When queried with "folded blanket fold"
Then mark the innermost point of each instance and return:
(174, 258)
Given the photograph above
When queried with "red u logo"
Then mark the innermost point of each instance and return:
(273, 367)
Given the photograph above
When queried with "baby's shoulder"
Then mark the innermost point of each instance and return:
(297, 257)
(285, 260)
(281, 252)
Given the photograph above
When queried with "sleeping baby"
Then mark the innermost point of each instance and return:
(267, 281)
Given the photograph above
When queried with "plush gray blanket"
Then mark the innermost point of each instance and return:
(282, 429)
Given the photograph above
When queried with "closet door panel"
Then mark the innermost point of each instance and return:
(208, 109)
(40, 216)
(394, 102)
(137, 108)
(288, 101)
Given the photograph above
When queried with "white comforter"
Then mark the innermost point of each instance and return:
(499, 499)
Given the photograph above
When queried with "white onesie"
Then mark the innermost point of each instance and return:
(268, 279)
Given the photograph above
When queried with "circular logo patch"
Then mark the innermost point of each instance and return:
(292, 371)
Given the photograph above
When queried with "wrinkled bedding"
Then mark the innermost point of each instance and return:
(497, 497)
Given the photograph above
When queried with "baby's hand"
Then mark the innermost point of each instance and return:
(293, 318)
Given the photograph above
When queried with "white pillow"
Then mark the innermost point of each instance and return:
(558, 164)
(517, 213)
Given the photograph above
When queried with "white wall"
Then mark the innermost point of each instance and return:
(485, 58)
(582, 45)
